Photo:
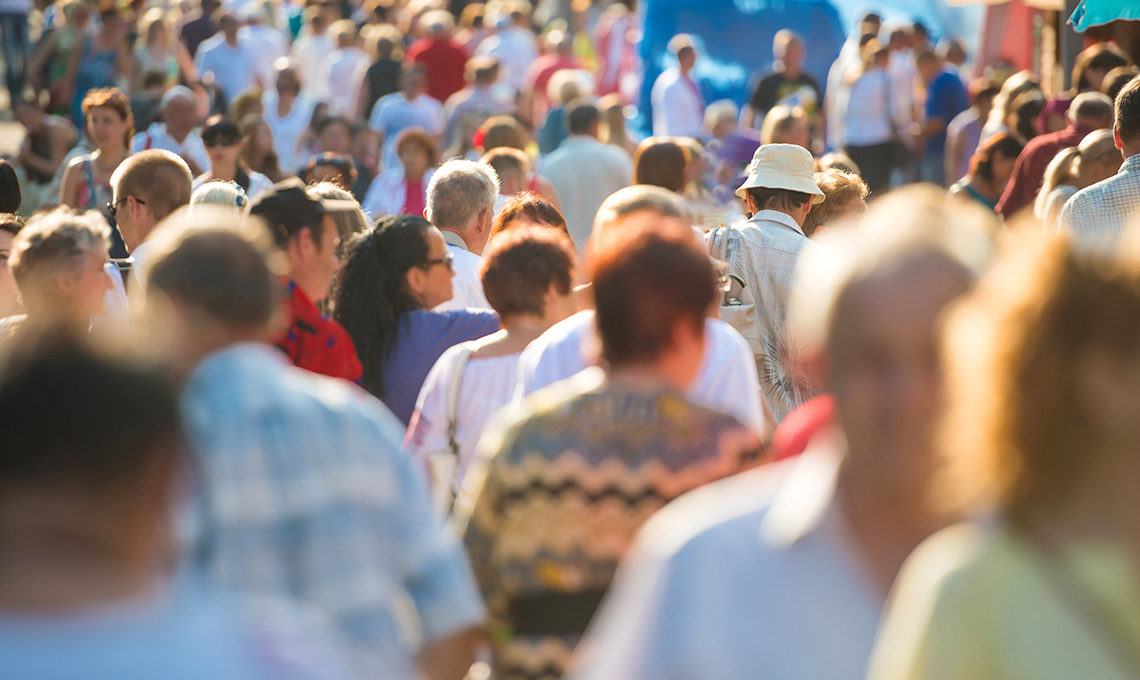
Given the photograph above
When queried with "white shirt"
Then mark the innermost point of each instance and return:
(751, 577)
(342, 74)
(287, 129)
(515, 47)
(867, 118)
(584, 173)
(726, 380)
(677, 106)
(467, 287)
(309, 52)
(395, 113)
(270, 45)
(156, 137)
(387, 193)
(903, 72)
(234, 68)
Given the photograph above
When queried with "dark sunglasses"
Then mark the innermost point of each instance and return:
(446, 261)
(113, 206)
(219, 139)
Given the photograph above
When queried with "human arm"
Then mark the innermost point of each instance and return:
(69, 186)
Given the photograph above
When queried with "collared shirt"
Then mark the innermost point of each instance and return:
(1097, 215)
(316, 343)
(763, 252)
(190, 148)
(1029, 170)
(466, 285)
(752, 577)
(584, 173)
(304, 493)
(678, 108)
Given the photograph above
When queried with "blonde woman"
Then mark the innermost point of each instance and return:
(158, 50)
(1095, 159)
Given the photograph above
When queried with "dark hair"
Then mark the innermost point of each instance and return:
(534, 208)
(1116, 79)
(10, 223)
(343, 163)
(644, 283)
(1102, 57)
(1128, 111)
(501, 131)
(521, 264)
(370, 292)
(982, 162)
(75, 419)
(581, 117)
(1027, 109)
(222, 129)
(779, 199)
(660, 161)
(10, 197)
(325, 123)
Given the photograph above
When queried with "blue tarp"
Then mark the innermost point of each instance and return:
(1096, 12)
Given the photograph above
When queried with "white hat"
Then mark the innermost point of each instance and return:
(782, 166)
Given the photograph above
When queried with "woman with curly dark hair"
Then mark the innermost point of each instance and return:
(383, 295)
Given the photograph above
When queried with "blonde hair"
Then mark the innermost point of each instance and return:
(778, 121)
(1013, 87)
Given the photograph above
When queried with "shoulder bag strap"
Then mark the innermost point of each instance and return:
(453, 398)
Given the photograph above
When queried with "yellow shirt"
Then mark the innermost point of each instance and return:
(979, 602)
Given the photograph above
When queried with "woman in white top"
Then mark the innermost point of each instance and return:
(402, 190)
(224, 143)
(870, 131)
(528, 274)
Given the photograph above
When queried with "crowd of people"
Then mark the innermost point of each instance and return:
(374, 341)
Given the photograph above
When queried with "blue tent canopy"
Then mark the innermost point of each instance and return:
(1095, 12)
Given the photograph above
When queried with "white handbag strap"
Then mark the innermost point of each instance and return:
(453, 398)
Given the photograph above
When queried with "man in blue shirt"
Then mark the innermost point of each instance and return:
(945, 98)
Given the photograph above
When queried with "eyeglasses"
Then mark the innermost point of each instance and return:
(446, 261)
(113, 206)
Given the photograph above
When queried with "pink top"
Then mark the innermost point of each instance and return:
(414, 202)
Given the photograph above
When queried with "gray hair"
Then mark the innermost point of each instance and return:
(219, 193)
(460, 190)
(56, 242)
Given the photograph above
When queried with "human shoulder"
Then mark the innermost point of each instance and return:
(967, 558)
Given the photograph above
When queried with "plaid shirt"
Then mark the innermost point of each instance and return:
(305, 494)
(1097, 215)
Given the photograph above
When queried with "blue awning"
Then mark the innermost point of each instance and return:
(1096, 12)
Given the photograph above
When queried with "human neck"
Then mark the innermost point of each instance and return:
(648, 375)
(1130, 150)
(224, 171)
(518, 331)
(114, 153)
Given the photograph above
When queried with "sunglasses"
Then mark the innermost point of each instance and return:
(113, 206)
(446, 261)
(219, 139)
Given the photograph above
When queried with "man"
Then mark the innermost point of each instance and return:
(1089, 111)
(782, 573)
(678, 108)
(945, 98)
(726, 380)
(232, 63)
(267, 41)
(513, 44)
(306, 234)
(342, 71)
(288, 111)
(468, 108)
(178, 131)
(302, 488)
(146, 188)
(439, 54)
(761, 254)
(584, 171)
(559, 58)
(410, 107)
(310, 49)
(461, 203)
(1096, 215)
(786, 85)
(91, 470)
(965, 130)
(201, 27)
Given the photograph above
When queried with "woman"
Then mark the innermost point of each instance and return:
(527, 210)
(403, 190)
(86, 183)
(103, 60)
(500, 131)
(159, 51)
(395, 273)
(786, 125)
(870, 130)
(258, 154)
(349, 223)
(1095, 159)
(224, 143)
(528, 277)
(661, 161)
(1089, 71)
(57, 56)
(613, 128)
(1040, 436)
(990, 170)
(334, 168)
(1026, 110)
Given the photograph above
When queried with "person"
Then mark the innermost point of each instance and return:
(513, 44)
(468, 108)
(1096, 215)
(393, 277)
(461, 204)
(268, 42)
(1116, 79)
(383, 75)
(203, 25)
(870, 128)
(779, 192)
(157, 50)
(1089, 111)
(613, 128)
(442, 58)
(1094, 160)
(231, 62)
(661, 162)
(259, 154)
(528, 276)
(1047, 456)
(410, 107)
(342, 71)
(565, 89)
(558, 57)
(785, 125)
(263, 431)
(787, 84)
(226, 194)
(55, 59)
(14, 28)
(102, 62)
(676, 101)
(403, 189)
(288, 110)
(844, 198)
(10, 194)
(312, 46)
(990, 170)
(581, 193)
(839, 76)
(1014, 86)
(963, 133)
(1090, 70)
(726, 380)
(145, 189)
(1024, 122)
(224, 143)
(47, 140)
(527, 210)
(86, 183)
(513, 169)
(945, 99)
(616, 36)
(335, 168)
(761, 572)
(10, 226)
(178, 130)
(348, 222)
(57, 261)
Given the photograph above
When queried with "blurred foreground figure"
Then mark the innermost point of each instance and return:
(1043, 423)
(782, 572)
(90, 467)
(303, 491)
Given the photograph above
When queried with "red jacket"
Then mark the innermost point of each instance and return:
(1029, 171)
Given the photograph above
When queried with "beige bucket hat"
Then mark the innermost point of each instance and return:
(782, 166)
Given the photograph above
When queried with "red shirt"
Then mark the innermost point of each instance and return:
(414, 198)
(1029, 171)
(444, 61)
(316, 343)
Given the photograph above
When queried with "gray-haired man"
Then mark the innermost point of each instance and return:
(461, 204)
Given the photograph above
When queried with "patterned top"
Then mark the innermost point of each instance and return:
(1098, 214)
(316, 343)
(556, 495)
